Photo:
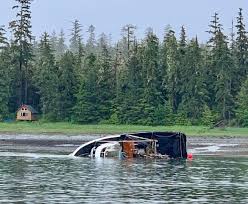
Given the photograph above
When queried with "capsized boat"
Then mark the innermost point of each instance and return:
(136, 145)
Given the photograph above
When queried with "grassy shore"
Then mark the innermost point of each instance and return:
(69, 128)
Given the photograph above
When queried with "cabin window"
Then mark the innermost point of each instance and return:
(24, 114)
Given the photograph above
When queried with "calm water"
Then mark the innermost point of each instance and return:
(43, 178)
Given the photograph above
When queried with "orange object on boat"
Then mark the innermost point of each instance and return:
(128, 148)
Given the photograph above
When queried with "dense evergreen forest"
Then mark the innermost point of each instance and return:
(147, 81)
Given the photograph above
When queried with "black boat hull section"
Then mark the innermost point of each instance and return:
(171, 144)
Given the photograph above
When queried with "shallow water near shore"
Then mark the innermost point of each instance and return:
(41, 171)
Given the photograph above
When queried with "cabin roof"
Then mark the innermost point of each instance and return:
(30, 108)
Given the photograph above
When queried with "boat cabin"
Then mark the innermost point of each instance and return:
(26, 113)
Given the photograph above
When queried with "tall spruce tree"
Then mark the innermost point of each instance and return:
(21, 29)
(183, 40)
(195, 93)
(241, 48)
(102, 43)
(152, 80)
(5, 79)
(106, 79)
(87, 102)
(221, 70)
(182, 67)
(76, 44)
(3, 38)
(61, 46)
(54, 41)
(91, 41)
(68, 85)
(120, 74)
(182, 46)
(130, 88)
(125, 55)
(223, 85)
(172, 76)
(211, 72)
(236, 78)
(214, 28)
(46, 79)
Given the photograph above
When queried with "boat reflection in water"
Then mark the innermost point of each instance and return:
(136, 145)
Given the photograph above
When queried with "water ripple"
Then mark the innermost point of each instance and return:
(60, 179)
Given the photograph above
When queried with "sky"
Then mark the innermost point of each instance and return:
(110, 16)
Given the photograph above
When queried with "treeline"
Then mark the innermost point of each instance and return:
(149, 82)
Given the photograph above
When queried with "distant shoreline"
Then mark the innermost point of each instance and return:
(63, 128)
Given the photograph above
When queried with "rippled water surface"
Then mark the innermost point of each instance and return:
(44, 178)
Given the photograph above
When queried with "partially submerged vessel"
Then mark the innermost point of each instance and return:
(136, 145)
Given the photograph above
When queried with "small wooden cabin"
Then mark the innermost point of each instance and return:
(26, 113)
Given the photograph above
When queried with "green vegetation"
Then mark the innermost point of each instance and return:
(137, 82)
(69, 128)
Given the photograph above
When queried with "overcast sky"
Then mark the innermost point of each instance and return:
(110, 15)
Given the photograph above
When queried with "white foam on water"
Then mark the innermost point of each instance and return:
(31, 155)
(211, 148)
(227, 145)
(66, 145)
